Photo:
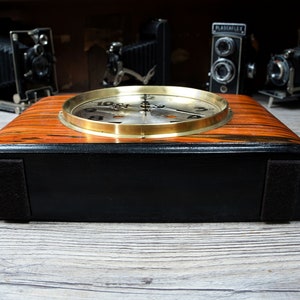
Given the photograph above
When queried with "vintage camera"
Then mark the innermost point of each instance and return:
(28, 68)
(146, 61)
(231, 63)
(283, 75)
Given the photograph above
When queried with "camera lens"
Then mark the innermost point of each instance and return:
(278, 70)
(224, 46)
(37, 63)
(223, 70)
(38, 49)
(40, 66)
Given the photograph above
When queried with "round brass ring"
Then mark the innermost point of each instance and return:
(173, 98)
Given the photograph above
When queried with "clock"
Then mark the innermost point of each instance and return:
(130, 154)
(145, 111)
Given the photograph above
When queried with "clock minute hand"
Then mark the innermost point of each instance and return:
(182, 111)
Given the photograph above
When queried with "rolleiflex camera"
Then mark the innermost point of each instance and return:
(283, 75)
(232, 63)
(146, 61)
(28, 68)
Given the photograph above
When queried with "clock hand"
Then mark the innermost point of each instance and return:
(181, 111)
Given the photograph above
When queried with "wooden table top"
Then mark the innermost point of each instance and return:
(185, 261)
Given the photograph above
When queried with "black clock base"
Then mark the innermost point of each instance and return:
(149, 184)
(245, 170)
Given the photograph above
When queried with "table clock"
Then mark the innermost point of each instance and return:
(149, 154)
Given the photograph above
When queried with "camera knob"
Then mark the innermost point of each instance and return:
(251, 70)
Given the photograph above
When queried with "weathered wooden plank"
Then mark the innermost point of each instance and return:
(150, 261)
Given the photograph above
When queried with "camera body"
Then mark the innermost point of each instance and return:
(28, 72)
(146, 61)
(283, 74)
(231, 66)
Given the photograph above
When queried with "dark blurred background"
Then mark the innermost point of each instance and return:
(81, 26)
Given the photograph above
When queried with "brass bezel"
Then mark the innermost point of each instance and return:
(157, 130)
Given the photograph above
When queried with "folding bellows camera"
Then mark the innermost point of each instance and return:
(146, 61)
(28, 68)
(283, 75)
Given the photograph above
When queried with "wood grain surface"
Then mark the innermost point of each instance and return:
(149, 261)
(186, 261)
(251, 122)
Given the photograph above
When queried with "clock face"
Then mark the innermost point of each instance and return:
(145, 111)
